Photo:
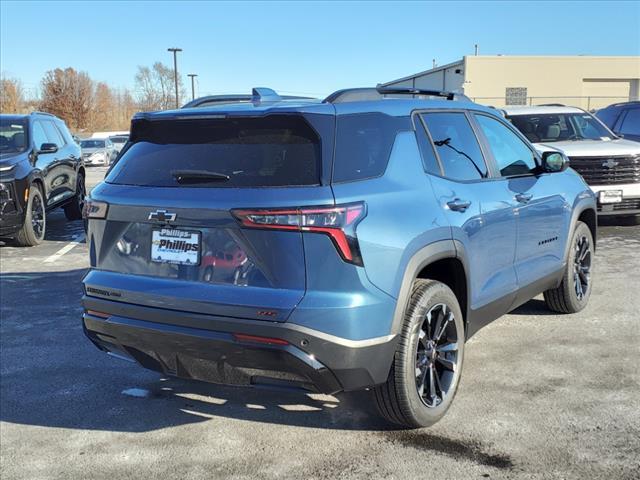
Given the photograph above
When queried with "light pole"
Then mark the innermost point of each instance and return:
(193, 90)
(175, 71)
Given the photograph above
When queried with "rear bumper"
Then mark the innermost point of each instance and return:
(204, 347)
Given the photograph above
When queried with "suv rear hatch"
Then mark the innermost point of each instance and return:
(168, 236)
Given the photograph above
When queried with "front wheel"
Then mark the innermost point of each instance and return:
(573, 293)
(35, 220)
(427, 364)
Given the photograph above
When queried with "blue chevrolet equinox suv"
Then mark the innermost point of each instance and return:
(337, 245)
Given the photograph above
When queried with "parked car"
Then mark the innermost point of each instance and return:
(119, 141)
(375, 237)
(98, 151)
(623, 119)
(40, 169)
(608, 163)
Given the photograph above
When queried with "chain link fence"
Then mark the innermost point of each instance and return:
(588, 103)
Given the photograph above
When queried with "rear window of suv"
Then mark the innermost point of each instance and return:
(270, 151)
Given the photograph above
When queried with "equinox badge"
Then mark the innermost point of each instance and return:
(162, 216)
(610, 163)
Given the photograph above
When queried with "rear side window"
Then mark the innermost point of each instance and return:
(631, 122)
(426, 149)
(457, 146)
(271, 151)
(363, 144)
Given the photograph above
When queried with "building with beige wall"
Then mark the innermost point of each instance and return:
(583, 81)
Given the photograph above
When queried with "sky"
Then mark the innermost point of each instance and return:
(308, 48)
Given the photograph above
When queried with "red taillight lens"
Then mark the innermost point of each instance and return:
(339, 222)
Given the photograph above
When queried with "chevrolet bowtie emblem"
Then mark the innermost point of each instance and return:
(162, 216)
(610, 163)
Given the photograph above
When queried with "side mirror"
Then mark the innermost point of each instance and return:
(554, 162)
(48, 148)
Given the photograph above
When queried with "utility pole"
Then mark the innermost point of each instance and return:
(193, 90)
(175, 71)
(476, 49)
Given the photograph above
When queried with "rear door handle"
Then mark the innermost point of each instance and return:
(459, 205)
(524, 197)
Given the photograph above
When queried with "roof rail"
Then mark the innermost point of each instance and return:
(35, 112)
(237, 98)
(551, 105)
(415, 91)
(380, 92)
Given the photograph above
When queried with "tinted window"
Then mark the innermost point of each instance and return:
(607, 116)
(426, 149)
(552, 127)
(512, 155)
(363, 144)
(631, 122)
(270, 151)
(13, 135)
(456, 145)
(52, 133)
(39, 136)
(92, 143)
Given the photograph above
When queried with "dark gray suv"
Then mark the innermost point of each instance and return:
(41, 169)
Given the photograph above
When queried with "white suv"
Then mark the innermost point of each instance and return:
(608, 163)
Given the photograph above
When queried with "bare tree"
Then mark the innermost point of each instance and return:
(11, 96)
(103, 110)
(155, 87)
(68, 94)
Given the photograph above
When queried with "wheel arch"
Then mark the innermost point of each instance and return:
(590, 218)
(443, 261)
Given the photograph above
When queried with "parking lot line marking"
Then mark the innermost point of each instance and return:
(75, 240)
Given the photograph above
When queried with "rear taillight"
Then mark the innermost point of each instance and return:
(94, 209)
(338, 222)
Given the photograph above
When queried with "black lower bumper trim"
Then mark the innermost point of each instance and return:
(203, 347)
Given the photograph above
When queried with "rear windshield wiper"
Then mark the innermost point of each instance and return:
(190, 177)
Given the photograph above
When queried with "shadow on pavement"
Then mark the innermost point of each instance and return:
(53, 376)
(532, 307)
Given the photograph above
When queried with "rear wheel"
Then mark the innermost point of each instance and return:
(573, 293)
(73, 210)
(35, 220)
(427, 364)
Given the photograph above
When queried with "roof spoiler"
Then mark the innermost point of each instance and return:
(380, 92)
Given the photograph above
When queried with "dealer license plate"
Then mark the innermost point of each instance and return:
(171, 245)
(610, 196)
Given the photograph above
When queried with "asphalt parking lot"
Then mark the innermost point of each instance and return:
(542, 395)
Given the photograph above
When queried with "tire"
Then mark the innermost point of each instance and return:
(35, 220)
(406, 397)
(568, 297)
(73, 210)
